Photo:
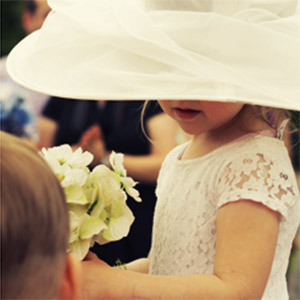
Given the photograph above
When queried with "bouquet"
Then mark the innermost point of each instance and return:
(96, 199)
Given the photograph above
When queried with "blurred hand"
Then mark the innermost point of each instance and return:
(92, 141)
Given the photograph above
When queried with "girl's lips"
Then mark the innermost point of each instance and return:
(186, 114)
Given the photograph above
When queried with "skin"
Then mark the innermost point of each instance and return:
(243, 258)
(33, 21)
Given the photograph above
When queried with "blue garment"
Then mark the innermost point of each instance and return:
(16, 116)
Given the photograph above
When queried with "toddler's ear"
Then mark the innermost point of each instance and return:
(70, 287)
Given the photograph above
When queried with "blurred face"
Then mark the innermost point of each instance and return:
(196, 117)
(34, 21)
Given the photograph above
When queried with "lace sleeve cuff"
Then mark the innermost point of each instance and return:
(255, 196)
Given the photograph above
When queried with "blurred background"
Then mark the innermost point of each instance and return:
(11, 24)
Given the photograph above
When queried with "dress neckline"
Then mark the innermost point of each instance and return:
(261, 134)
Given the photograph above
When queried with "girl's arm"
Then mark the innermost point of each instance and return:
(140, 265)
(246, 239)
(46, 130)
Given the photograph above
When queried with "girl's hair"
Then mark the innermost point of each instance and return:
(34, 223)
(272, 116)
(142, 120)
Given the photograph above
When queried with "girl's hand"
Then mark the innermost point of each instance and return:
(94, 272)
(92, 257)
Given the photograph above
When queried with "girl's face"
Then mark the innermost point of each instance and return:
(196, 117)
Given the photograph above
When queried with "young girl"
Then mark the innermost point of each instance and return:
(227, 201)
(227, 212)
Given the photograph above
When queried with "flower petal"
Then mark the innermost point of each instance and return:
(75, 194)
(135, 194)
(91, 226)
(74, 177)
(116, 161)
(80, 248)
(119, 227)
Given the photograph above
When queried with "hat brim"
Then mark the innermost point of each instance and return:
(75, 62)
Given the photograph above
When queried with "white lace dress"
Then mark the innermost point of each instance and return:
(190, 192)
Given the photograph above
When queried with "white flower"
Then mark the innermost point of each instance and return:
(75, 194)
(80, 159)
(128, 183)
(96, 200)
(80, 248)
(64, 155)
(83, 230)
(73, 177)
(109, 185)
(69, 167)
(118, 219)
(116, 161)
(78, 209)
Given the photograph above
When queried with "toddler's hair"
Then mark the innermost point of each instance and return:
(34, 224)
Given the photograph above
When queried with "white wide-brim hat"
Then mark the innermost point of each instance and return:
(220, 50)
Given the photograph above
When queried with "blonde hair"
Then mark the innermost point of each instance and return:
(142, 120)
(34, 223)
(271, 116)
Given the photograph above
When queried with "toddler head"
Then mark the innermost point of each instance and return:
(34, 224)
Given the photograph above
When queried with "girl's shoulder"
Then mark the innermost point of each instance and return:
(258, 168)
(256, 149)
(271, 146)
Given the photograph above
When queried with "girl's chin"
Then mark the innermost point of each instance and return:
(192, 130)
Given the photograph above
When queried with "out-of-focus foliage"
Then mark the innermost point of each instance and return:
(11, 24)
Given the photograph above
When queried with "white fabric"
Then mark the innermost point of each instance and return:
(226, 50)
(189, 193)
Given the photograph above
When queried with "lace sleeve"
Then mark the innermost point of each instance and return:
(257, 177)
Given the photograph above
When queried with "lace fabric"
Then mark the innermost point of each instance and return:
(190, 192)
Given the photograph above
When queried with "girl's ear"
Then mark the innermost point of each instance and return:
(70, 287)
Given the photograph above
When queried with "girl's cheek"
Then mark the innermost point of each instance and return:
(164, 106)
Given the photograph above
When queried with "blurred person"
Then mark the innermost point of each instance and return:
(19, 106)
(64, 121)
(34, 14)
(34, 228)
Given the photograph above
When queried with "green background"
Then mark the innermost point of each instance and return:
(11, 24)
